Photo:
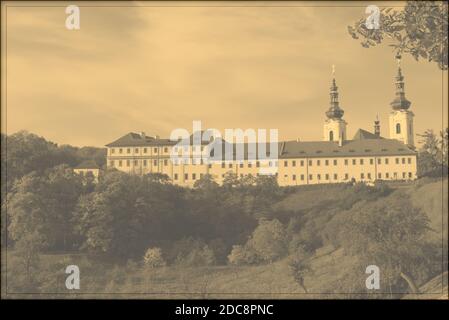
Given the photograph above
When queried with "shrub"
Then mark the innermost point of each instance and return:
(153, 258)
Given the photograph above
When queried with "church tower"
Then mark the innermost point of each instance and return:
(401, 119)
(334, 125)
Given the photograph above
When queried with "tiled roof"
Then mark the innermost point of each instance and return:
(363, 134)
(363, 144)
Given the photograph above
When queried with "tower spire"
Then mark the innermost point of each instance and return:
(400, 102)
(334, 111)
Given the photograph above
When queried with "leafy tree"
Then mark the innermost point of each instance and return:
(299, 268)
(420, 29)
(433, 154)
(392, 235)
(268, 240)
(45, 204)
(153, 258)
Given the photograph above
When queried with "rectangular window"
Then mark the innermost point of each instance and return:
(387, 175)
(165, 162)
(379, 161)
(294, 177)
(128, 150)
(285, 163)
(327, 176)
(155, 162)
(403, 160)
(371, 161)
(318, 176)
(145, 163)
(223, 165)
(120, 163)
(353, 161)
(257, 164)
(302, 163)
(186, 176)
(136, 150)
(403, 175)
(165, 149)
(310, 177)
(410, 175)
(335, 176)
(193, 176)
(128, 163)
(326, 162)
(230, 165)
(335, 162)
(155, 150)
(346, 162)
(293, 163)
(302, 177)
(379, 175)
(386, 161)
(397, 160)
(112, 150)
(318, 162)
(369, 176)
(111, 163)
(362, 176)
(241, 165)
(136, 162)
(176, 176)
(310, 163)
(145, 150)
(361, 161)
(409, 160)
(346, 176)
(120, 150)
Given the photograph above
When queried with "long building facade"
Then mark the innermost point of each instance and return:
(366, 157)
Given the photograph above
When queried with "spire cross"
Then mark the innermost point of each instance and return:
(333, 70)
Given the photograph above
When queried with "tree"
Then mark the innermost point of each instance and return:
(420, 30)
(299, 267)
(390, 234)
(153, 258)
(433, 154)
(269, 240)
(44, 203)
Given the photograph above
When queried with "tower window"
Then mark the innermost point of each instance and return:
(398, 128)
(331, 136)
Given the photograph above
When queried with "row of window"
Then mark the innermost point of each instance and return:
(155, 150)
(318, 177)
(346, 162)
(136, 150)
(257, 163)
(405, 175)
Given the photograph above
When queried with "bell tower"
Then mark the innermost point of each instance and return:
(334, 125)
(401, 119)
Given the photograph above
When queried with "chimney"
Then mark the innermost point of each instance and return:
(340, 140)
(142, 134)
(377, 127)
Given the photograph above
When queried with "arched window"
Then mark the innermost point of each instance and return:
(331, 136)
(398, 128)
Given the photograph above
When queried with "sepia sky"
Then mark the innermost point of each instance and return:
(153, 68)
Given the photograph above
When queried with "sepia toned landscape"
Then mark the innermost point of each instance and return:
(209, 150)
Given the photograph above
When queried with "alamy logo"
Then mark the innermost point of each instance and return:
(73, 280)
(72, 22)
(373, 280)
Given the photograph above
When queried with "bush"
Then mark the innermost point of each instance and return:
(241, 255)
(153, 258)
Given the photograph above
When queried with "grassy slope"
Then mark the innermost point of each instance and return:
(328, 264)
